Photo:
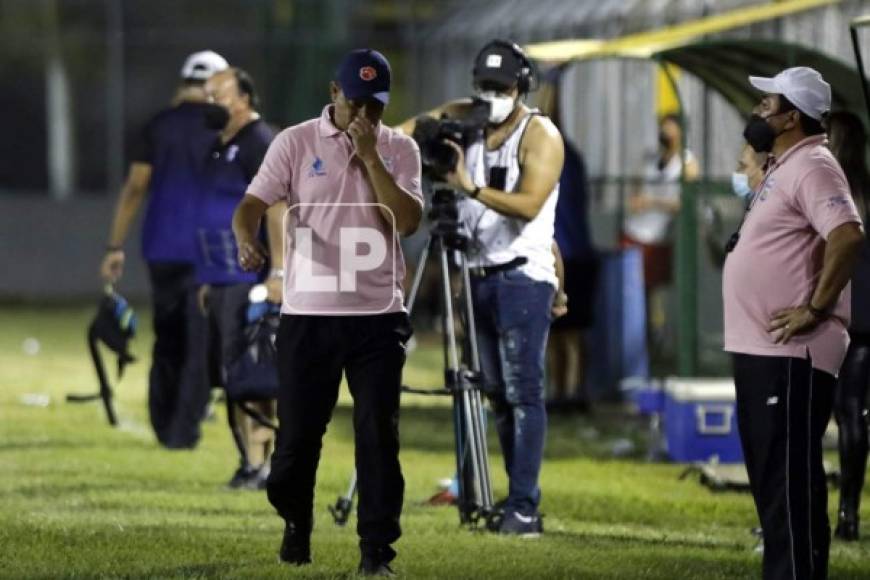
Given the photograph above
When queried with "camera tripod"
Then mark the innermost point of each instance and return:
(461, 369)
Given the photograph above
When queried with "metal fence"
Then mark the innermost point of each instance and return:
(80, 78)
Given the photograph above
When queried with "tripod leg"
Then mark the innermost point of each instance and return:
(453, 380)
(341, 510)
(476, 420)
(451, 348)
(418, 276)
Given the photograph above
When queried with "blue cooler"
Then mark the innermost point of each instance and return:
(701, 420)
(647, 395)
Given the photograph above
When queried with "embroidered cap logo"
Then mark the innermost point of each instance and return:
(368, 73)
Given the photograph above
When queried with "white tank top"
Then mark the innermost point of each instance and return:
(497, 238)
(652, 226)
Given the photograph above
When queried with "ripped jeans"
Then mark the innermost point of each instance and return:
(512, 314)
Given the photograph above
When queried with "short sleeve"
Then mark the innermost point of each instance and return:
(143, 149)
(407, 170)
(272, 181)
(253, 154)
(824, 199)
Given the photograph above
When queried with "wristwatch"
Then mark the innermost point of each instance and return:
(817, 312)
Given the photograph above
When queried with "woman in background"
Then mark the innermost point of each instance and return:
(848, 141)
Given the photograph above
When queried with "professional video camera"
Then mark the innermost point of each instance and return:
(437, 157)
(444, 216)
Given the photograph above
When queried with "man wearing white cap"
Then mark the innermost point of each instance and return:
(165, 168)
(786, 310)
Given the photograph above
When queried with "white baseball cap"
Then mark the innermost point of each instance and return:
(201, 65)
(802, 86)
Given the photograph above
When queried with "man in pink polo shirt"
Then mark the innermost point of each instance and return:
(352, 187)
(786, 311)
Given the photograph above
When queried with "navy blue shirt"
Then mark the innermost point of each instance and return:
(175, 143)
(572, 227)
(229, 169)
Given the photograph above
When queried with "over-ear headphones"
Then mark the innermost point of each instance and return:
(527, 78)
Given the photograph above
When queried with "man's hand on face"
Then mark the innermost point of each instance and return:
(459, 178)
(362, 135)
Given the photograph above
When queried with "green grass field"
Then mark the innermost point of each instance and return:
(82, 500)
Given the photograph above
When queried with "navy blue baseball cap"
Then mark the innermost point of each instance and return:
(364, 73)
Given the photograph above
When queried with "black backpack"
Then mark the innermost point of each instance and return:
(253, 374)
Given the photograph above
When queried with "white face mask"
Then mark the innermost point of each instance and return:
(500, 106)
(740, 185)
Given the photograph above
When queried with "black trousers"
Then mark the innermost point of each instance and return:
(783, 408)
(178, 390)
(313, 351)
(227, 311)
(227, 316)
(850, 406)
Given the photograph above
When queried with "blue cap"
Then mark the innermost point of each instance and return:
(364, 73)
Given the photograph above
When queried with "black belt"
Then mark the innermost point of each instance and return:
(483, 271)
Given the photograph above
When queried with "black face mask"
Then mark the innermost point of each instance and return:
(664, 141)
(216, 117)
(759, 134)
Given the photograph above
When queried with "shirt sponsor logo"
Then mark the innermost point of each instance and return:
(768, 186)
(317, 168)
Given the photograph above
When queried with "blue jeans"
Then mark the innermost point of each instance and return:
(512, 314)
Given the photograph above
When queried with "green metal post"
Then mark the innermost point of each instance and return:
(687, 260)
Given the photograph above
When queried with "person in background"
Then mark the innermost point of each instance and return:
(745, 181)
(167, 170)
(786, 312)
(848, 143)
(575, 298)
(234, 160)
(650, 215)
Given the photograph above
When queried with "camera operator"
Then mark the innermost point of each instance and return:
(511, 178)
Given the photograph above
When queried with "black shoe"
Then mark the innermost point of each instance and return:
(257, 479)
(847, 526)
(368, 567)
(296, 546)
(375, 562)
(522, 525)
(241, 477)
